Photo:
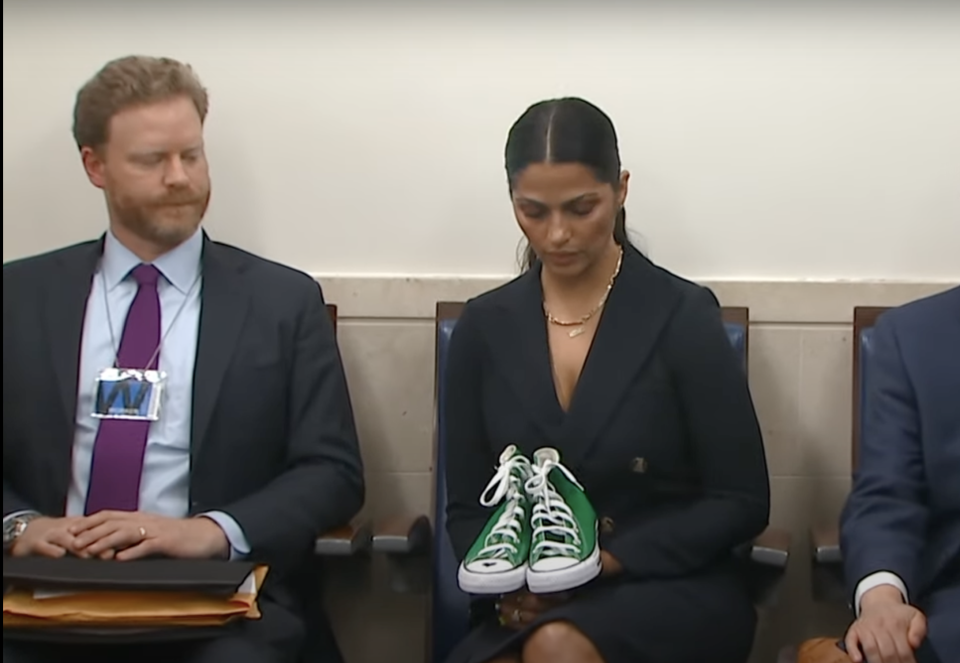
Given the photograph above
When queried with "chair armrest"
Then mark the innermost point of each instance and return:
(827, 575)
(345, 541)
(765, 563)
(405, 541)
(825, 542)
(772, 548)
(402, 535)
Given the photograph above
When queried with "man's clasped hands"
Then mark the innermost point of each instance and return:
(122, 535)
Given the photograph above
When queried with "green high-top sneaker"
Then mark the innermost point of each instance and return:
(497, 561)
(565, 551)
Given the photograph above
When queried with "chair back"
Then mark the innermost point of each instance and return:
(736, 321)
(449, 606)
(332, 312)
(864, 318)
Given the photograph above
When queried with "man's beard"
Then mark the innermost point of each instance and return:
(167, 222)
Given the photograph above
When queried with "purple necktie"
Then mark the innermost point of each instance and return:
(120, 444)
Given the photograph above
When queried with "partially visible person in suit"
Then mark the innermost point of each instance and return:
(900, 528)
(249, 450)
(624, 372)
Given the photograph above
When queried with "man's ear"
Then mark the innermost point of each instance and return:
(92, 159)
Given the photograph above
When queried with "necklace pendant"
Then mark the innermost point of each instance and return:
(576, 331)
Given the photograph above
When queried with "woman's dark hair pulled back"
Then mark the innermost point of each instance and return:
(566, 130)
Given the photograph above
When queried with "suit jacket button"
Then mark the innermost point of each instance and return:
(607, 525)
(639, 465)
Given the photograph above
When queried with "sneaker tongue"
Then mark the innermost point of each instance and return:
(497, 539)
(554, 529)
(502, 536)
(556, 537)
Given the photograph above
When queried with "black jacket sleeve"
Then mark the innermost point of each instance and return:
(469, 461)
(322, 486)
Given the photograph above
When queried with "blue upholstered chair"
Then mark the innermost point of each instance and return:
(827, 579)
(827, 576)
(402, 538)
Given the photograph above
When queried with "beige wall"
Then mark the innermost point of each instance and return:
(800, 375)
(765, 140)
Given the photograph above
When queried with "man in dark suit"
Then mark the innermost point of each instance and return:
(243, 444)
(900, 529)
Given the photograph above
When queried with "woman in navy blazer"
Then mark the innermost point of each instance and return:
(626, 371)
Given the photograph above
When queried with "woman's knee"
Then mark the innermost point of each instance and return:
(557, 642)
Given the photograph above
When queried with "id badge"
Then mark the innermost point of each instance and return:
(124, 393)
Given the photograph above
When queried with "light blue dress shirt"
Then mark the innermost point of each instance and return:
(164, 486)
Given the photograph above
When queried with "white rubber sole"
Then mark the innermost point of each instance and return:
(502, 582)
(561, 580)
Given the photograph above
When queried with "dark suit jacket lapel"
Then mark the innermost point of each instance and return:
(518, 335)
(640, 304)
(65, 295)
(223, 309)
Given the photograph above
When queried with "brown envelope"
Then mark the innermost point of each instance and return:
(122, 609)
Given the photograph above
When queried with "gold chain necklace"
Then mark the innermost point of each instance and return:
(578, 325)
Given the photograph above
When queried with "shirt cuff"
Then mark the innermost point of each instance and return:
(239, 548)
(875, 580)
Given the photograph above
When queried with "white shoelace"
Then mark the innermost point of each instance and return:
(507, 483)
(552, 518)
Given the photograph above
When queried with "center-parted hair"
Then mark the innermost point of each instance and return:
(566, 130)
